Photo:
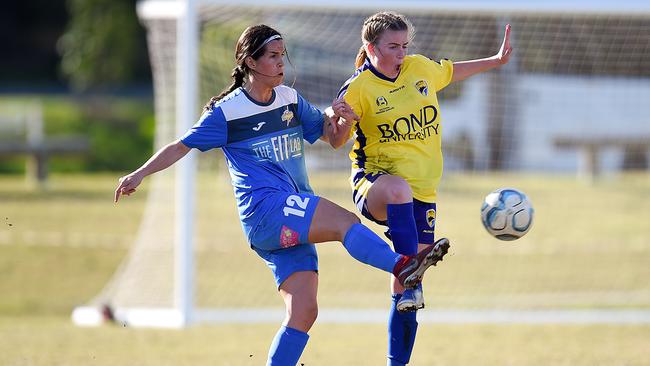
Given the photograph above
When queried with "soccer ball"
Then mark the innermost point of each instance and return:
(507, 214)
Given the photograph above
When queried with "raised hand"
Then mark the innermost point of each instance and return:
(504, 52)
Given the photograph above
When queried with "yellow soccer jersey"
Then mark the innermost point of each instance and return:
(400, 131)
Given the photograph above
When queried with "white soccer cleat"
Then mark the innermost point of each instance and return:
(412, 300)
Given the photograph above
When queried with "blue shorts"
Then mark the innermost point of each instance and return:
(281, 236)
(285, 262)
(423, 212)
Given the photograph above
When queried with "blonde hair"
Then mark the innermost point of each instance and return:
(375, 25)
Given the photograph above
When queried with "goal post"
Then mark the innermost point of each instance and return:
(569, 57)
(182, 15)
(187, 97)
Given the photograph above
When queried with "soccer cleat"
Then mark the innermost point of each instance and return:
(411, 300)
(410, 269)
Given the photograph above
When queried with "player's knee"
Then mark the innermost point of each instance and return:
(311, 312)
(351, 218)
(304, 313)
(397, 190)
(346, 221)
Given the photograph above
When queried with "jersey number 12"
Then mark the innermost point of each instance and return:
(292, 202)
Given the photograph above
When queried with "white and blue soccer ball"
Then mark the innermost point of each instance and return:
(507, 214)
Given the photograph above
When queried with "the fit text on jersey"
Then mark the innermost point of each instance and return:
(412, 127)
(279, 148)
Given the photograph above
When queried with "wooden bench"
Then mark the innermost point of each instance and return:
(22, 133)
(634, 148)
(42, 151)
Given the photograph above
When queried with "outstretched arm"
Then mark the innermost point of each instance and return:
(465, 69)
(338, 122)
(163, 159)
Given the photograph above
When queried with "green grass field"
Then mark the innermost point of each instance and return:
(589, 249)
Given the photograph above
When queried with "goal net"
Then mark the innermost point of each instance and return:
(572, 101)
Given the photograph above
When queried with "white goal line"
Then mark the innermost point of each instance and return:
(440, 316)
(170, 318)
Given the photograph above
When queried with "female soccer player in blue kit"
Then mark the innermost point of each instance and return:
(260, 125)
(397, 154)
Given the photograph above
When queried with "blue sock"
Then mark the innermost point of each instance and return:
(365, 246)
(287, 347)
(402, 328)
(419, 286)
(403, 230)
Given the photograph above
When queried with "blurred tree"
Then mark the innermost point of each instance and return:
(28, 34)
(103, 45)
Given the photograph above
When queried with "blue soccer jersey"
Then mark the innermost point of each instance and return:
(262, 143)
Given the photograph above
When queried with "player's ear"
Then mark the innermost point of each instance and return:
(370, 49)
(250, 62)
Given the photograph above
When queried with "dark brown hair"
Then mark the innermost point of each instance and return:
(249, 44)
(375, 25)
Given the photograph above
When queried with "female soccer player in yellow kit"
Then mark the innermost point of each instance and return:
(260, 125)
(397, 155)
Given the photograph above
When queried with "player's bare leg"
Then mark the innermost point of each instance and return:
(331, 222)
(299, 294)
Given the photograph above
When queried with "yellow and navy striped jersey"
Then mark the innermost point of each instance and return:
(400, 131)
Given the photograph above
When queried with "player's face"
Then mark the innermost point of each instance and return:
(270, 66)
(390, 50)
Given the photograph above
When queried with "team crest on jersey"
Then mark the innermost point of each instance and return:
(287, 116)
(431, 217)
(288, 237)
(422, 87)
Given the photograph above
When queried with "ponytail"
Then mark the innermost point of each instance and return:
(252, 43)
(237, 76)
(361, 57)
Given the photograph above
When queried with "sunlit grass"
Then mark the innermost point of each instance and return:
(55, 341)
(589, 248)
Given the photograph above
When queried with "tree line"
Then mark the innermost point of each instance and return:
(78, 44)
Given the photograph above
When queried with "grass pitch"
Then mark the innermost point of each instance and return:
(588, 248)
